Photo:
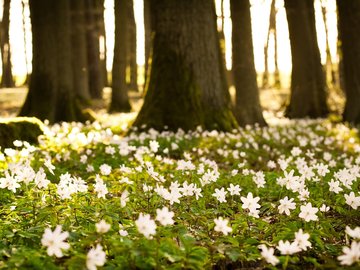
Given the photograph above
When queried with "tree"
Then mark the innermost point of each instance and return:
(7, 79)
(131, 46)
(51, 93)
(308, 87)
(93, 50)
(79, 52)
(147, 38)
(187, 82)
(119, 96)
(349, 21)
(247, 108)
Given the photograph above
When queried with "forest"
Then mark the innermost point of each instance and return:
(179, 134)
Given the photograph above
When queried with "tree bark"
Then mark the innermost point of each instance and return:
(79, 52)
(308, 86)
(119, 97)
(147, 29)
(349, 22)
(93, 51)
(187, 82)
(247, 108)
(132, 46)
(7, 79)
(51, 93)
(100, 28)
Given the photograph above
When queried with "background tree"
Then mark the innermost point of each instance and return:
(79, 52)
(247, 104)
(187, 82)
(93, 50)
(7, 79)
(308, 87)
(349, 23)
(51, 93)
(119, 97)
(131, 37)
(147, 39)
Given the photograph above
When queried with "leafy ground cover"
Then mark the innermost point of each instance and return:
(285, 196)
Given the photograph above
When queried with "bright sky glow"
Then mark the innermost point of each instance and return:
(260, 20)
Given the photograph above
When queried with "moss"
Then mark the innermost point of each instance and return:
(20, 128)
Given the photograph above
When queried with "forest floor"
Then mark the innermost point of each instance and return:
(11, 100)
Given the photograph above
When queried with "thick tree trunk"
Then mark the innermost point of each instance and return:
(349, 23)
(132, 46)
(308, 87)
(79, 53)
(187, 82)
(119, 97)
(93, 51)
(147, 29)
(7, 79)
(51, 94)
(247, 108)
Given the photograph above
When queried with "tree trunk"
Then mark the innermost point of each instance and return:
(247, 108)
(119, 97)
(23, 5)
(51, 93)
(147, 29)
(100, 28)
(93, 51)
(187, 82)
(79, 53)
(272, 23)
(349, 22)
(132, 46)
(308, 87)
(7, 79)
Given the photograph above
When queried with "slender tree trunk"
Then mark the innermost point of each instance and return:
(277, 81)
(187, 82)
(100, 28)
(308, 87)
(119, 97)
(349, 23)
(25, 41)
(51, 93)
(132, 46)
(93, 51)
(79, 52)
(147, 39)
(330, 72)
(272, 21)
(7, 79)
(247, 109)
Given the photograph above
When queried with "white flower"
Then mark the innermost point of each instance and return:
(220, 194)
(105, 169)
(250, 202)
(234, 190)
(286, 205)
(164, 216)
(154, 146)
(221, 225)
(324, 208)
(334, 186)
(268, 255)
(124, 198)
(355, 233)
(287, 248)
(100, 188)
(308, 212)
(95, 257)
(351, 255)
(102, 226)
(54, 241)
(352, 200)
(50, 167)
(187, 190)
(146, 225)
(302, 240)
